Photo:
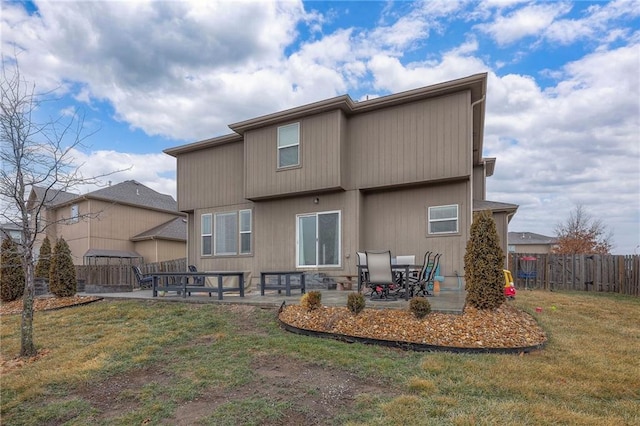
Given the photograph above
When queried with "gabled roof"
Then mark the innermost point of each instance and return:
(517, 238)
(128, 192)
(53, 196)
(175, 229)
(135, 193)
(476, 84)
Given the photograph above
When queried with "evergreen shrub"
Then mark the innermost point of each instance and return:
(44, 259)
(12, 279)
(62, 273)
(420, 307)
(355, 302)
(483, 264)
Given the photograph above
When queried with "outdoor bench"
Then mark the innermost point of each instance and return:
(186, 282)
(282, 281)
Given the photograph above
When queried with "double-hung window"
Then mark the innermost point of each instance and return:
(318, 239)
(75, 213)
(206, 232)
(245, 231)
(289, 145)
(232, 233)
(443, 219)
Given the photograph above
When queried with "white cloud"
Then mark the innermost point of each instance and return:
(528, 21)
(157, 171)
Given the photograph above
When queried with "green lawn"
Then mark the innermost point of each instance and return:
(142, 362)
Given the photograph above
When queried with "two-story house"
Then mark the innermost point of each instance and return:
(306, 188)
(125, 222)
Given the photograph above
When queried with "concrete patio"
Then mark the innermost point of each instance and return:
(447, 301)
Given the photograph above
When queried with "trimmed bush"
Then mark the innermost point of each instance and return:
(355, 303)
(12, 279)
(420, 307)
(483, 264)
(44, 259)
(311, 300)
(62, 273)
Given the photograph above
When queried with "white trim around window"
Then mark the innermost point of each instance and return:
(319, 239)
(75, 213)
(443, 220)
(206, 234)
(232, 233)
(289, 145)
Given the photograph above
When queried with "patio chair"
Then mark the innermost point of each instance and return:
(380, 275)
(144, 281)
(362, 270)
(423, 284)
(197, 280)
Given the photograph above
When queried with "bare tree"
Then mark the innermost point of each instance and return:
(582, 234)
(33, 154)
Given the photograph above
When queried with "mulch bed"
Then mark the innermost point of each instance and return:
(506, 327)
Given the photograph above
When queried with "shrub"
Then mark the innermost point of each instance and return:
(62, 273)
(44, 259)
(12, 279)
(355, 302)
(483, 263)
(420, 307)
(311, 300)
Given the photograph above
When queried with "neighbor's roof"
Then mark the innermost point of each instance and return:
(517, 238)
(53, 196)
(175, 229)
(128, 192)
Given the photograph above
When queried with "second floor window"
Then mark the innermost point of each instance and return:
(75, 213)
(289, 145)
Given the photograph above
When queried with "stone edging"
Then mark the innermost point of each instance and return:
(407, 346)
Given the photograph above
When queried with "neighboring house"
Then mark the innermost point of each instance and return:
(306, 188)
(12, 230)
(528, 242)
(125, 222)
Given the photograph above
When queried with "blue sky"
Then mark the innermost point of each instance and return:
(563, 104)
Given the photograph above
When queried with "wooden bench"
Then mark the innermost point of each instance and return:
(186, 282)
(347, 281)
(287, 285)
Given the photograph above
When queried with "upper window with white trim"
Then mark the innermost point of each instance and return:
(443, 219)
(289, 145)
(75, 213)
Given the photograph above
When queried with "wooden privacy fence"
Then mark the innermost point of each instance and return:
(122, 277)
(582, 272)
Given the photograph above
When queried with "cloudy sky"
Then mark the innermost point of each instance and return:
(563, 104)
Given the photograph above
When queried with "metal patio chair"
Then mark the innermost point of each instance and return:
(380, 274)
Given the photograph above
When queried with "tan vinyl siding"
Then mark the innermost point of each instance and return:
(397, 221)
(319, 168)
(479, 190)
(109, 226)
(210, 177)
(160, 250)
(417, 142)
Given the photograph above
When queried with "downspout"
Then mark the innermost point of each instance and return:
(473, 104)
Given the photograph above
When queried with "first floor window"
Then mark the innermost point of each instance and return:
(205, 226)
(318, 239)
(232, 233)
(443, 219)
(245, 231)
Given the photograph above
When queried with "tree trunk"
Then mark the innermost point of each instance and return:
(27, 348)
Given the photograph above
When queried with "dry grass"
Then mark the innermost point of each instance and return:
(588, 374)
